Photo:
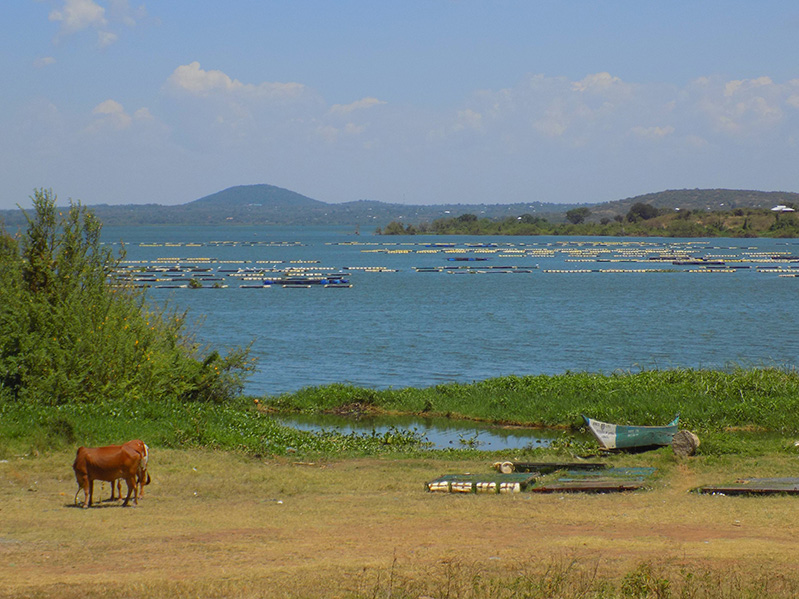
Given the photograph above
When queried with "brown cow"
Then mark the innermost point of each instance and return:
(142, 476)
(108, 464)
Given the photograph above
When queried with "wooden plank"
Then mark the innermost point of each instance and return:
(481, 483)
(547, 467)
(754, 486)
(617, 473)
(588, 486)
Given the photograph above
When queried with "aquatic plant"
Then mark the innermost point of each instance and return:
(765, 399)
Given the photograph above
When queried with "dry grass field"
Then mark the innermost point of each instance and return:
(226, 525)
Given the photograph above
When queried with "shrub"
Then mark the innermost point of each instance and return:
(67, 335)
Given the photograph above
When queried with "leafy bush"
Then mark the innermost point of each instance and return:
(67, 335)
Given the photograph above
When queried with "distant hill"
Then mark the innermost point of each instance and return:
(712, 200)
(270, 205)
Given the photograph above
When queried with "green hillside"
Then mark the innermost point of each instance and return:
(707, 200)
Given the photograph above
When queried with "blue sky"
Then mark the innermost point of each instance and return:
(420, 101)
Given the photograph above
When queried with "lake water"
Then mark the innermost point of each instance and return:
(440, 433)
(570, 304)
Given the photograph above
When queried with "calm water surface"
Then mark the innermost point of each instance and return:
(440, 433)
(409, 328)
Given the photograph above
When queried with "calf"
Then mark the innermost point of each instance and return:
(107, 464)
(142, 476)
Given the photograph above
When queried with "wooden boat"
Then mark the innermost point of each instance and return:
(620, 436)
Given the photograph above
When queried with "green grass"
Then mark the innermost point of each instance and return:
(739, 412)
(234, 426)
(708, 400)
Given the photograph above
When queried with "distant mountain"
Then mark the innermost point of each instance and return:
(251, 196)
(270, 205)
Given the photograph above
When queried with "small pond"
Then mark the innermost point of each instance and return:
(442, 433)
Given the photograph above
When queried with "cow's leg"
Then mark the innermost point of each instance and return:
(83, 485)
(131, 482)
(90, 484)
(143, 479)
(118, 484)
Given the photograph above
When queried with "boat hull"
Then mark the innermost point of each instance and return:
(620, 436)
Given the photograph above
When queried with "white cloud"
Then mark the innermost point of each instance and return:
(192, 79)
(106, 38)
(333, 134)
(358, 105)
(328, 132)
(112, 114)
(77, 15)
(469, 119)
(44, 61)
(602, 110)
(743, 85)
(554, 123)
(121, 11)
(600, 83)
(653, 132)
(742, 107)
(143, 114)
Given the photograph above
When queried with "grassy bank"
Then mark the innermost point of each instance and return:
(744, 411)
(223, 524)
(236, 426)
(707, 400)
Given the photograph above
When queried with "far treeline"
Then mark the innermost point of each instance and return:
(641, 220)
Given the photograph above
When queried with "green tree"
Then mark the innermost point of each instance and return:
(641, 211)
(394, 228)
(577, 215)
(68, 335)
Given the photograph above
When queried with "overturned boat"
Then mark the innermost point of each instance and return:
(622, 436)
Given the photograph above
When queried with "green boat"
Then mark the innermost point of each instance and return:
(621, 436)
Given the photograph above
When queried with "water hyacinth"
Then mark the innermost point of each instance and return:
(765, 399)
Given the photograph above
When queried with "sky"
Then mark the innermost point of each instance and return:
(412, 101)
